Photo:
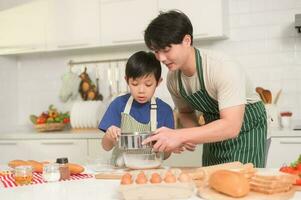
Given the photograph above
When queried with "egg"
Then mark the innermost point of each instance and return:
(170, 178)
(183, 177)
(141, 178)
(155, 178)
(126, 179)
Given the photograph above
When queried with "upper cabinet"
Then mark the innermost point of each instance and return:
(123, 22)
(23, 28)
(72, 24)
(48, 25)
(208, 17)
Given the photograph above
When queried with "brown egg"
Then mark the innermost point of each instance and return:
(141, 180)
(155, 178)
(126, 179)
(183, 177)
(170, 178)
(168, 173)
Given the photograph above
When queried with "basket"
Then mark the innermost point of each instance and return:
(49, 127)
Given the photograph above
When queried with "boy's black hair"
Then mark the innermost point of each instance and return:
(142, 64)
(167, 28)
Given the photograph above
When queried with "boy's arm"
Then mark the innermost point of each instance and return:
(106, 143)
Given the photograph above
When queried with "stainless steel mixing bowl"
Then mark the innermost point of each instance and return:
(134, 140)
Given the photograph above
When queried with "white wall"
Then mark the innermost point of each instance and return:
(262, 37)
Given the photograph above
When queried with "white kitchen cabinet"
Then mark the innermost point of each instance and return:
(76, 150)
(23, 28)
(95, 150)
(72, 24)
(186, 158)
(13, 149)
(208, 17)
(123, 22)
(283, 150)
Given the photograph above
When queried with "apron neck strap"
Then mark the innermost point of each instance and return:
(153, 111)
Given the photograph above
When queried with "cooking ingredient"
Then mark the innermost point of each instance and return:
(170, 178)
(16, 163)
(37, 166)
(51, 172)
(126, 179)
(52, 115)
(64, 168)
(228, 182)
(184, 178)
(23, 175)
(75, 168)
(294, 168)
(155, 178)
(141, 178)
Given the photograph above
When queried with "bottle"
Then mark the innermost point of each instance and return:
(64, 169)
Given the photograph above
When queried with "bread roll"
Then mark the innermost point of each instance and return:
(228, 182)
(16, 163)
(37, 166)
(75, 168)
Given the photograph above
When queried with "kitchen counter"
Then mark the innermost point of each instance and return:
(95, 189)
(24, 134)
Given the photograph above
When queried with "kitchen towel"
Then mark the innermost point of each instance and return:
(9, 182)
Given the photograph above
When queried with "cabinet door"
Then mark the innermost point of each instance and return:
(208, 17)
(72, 24)
(13, 150)
(74, 149)
(95, 150)
(283, 151)
(186, 159)
(23, 27)
(124, 22)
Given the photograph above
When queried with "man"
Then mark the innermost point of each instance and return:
(214, 84)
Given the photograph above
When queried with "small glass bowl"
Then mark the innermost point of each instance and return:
(23, 175)
(51, 172)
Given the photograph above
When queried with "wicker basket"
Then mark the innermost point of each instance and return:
(49, 127)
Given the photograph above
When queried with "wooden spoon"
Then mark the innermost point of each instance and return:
(260, 90)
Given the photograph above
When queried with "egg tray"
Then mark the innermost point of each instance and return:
(163, 190)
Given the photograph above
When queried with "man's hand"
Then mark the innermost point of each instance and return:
(167, 140)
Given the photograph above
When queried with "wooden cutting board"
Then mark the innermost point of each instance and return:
(210, 194)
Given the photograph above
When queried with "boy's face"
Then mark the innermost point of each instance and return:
(143, 88)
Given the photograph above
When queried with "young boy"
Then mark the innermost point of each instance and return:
(132, 112)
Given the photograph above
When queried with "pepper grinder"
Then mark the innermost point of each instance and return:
(64, 168)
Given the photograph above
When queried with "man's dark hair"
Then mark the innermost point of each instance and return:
(142, 64)
(166, 29)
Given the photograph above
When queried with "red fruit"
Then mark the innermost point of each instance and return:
(287, 169)
(298, 167)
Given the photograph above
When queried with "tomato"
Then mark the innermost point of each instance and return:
(41, 120)
(66, 120)
(287, 169)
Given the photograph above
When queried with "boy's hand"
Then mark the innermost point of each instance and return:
(112, 133)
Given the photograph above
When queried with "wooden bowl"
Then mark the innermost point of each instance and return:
(49, 127)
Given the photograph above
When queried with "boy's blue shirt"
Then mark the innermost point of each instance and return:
(140, 112)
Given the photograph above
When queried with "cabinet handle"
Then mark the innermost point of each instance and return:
(71, 45)
(57, 143)
(8, 143)
(200, 34)
(127, 41)
(289, 142)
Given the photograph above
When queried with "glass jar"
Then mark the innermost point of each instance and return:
(23, 175)
(63, 168)
(51, 172)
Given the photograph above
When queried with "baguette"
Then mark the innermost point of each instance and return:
(228, 182)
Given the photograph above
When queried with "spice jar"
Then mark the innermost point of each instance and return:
(63, 168)
(51, 172)
(23, 175)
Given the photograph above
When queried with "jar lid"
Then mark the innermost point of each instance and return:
(62, 160)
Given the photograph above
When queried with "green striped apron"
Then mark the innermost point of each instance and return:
(249, 146)
(129, 124)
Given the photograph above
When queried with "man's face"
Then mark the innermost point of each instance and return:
(143, 88)
(175, 55)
